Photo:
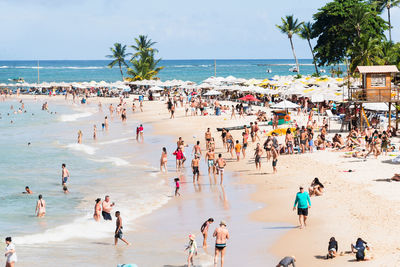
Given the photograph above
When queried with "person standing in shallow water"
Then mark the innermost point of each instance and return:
(97, 210)
(204, 230)
(40, 207)
(80, 137)
(221, 234)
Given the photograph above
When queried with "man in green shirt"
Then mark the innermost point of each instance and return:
(303, 203)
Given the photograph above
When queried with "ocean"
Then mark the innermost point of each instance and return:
(187, 70)
(111, 165)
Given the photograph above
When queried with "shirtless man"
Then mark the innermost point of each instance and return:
(210, 156)
(118, 229)
(221, 234)
(303, 140)
(257, 156)
(107, 207)
(221, 165)
(111, 108)
(197, 150)
(195, 168)
(229, 140)
(256, 129)
(274, 159)
(252, 132)
(208, 138)
(64, 174)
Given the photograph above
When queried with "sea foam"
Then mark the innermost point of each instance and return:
(82, 148)
(75, 116)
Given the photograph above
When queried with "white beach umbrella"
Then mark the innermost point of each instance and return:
(285, 104)
(156, 89)
(212, 92)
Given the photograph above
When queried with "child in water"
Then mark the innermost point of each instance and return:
(177, 186)
(192, 247)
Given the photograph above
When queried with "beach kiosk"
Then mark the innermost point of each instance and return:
(376, 86)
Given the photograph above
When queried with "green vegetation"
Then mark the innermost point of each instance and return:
(351, 31)
(291, 26)
(143, 63)
(119, 55)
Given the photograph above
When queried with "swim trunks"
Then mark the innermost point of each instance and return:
(210, 163)
(301, 211)
(220, 246)
(119, 234)
(274, 162)
(303, 142)
(106, 216)
(257, 159)
(64, 180)
(221, 170)
(196, 170)
(244, 145)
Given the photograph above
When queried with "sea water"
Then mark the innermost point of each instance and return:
(109, 165)
(187, 70)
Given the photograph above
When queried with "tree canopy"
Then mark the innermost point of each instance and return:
(339, 26)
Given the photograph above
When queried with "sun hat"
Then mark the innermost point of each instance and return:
(192, 237)
(222, 223)
(301, 187)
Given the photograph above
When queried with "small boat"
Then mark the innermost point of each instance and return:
(293, 69)
(268, 71)
(322, 71)
(18, 80)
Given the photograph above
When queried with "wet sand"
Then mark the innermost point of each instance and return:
(354, 205)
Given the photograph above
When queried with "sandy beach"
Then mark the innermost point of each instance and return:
(257, 205)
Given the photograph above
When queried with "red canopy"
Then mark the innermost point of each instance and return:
(249, 98)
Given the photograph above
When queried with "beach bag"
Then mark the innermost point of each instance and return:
(360, 254)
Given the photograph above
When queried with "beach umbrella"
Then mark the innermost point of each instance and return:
(212, 92)
(249, 98)
(156, 89)
(285, 104)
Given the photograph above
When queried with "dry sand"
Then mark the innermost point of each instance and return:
(354, 205)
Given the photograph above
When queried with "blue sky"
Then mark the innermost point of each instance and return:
(208, 29)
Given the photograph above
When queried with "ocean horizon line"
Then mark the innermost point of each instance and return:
(175, 59)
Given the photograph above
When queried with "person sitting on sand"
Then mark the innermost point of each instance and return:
(332, 248)
(359, 248)
(286, 261)
(316, 188)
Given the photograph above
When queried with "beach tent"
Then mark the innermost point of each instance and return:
(285, 104)
(250, 98)
(377, 106)
(212, 92)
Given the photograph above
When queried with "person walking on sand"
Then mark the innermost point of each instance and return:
(195, 168)
(163, 160)
(204, 230)
(97, 210)
(40, 209)
(221, 163)
(118, 230)
(238, 148)
(275, 155)
(11, 255)
(210, 156)
(177, 186)
(257, 156)
(197, 149)
(107, 207)
(64, 174)
(303, 203)
(80, 137)
(208, 136)
(192, 247)
(286, 261)
(221, 234)
(245, 143)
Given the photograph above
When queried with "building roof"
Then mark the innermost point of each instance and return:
(377, 69)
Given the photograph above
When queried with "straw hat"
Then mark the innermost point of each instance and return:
(222, 223)
(192, 237)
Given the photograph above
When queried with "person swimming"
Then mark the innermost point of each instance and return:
(27, 191)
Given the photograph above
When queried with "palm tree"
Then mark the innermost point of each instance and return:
(364, 52)
(290, 26)
(305, 33)
(144, 64)
(119, 55)
(143, 46)
(358, 18)
(388, 4)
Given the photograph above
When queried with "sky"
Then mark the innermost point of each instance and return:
(207, 29)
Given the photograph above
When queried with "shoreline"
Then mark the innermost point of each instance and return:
(347, 209)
